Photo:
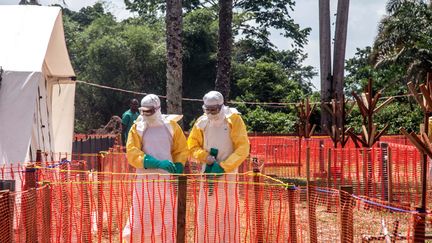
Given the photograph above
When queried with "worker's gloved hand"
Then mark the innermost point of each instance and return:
(210, 160)
(208, 168)
(168, 166)
(179, 167)
(152, 163)
(217, 169)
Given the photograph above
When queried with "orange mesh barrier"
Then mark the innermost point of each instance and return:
(74, 205)
(142, 208)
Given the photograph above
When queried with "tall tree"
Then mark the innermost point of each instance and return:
(223, 75)
(405, 38)
(339, 53)
(35, 2)
(325, 59)
(174, 22)
(29, 2)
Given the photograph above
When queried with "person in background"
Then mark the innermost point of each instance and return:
(219, 141)
(128, 118)
(157, 148)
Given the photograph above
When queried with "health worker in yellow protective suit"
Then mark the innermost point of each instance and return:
(157, 148)
(219, 140)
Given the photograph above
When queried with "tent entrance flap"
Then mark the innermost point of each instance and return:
(17, 101)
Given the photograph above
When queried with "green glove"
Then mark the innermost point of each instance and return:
(208, 168)
(214, 153)
(217, 169)
(179, 167)
(152, 163)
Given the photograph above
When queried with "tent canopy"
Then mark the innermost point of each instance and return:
(31, 36)
(36, 93)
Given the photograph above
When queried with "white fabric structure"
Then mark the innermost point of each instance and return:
(37, 92)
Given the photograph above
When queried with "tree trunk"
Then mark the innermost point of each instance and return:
(29, 2)
(339, 52)
(174, 56)
(223, 75)
(325, 59)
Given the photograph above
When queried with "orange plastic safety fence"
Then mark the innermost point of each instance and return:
(81, 206)
(328, 215)
(108, 207)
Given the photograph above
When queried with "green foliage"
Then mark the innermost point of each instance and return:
(266, 81)
(199, 58)
(264, 121)
(114, 54)
(404, 38)
(131, 55)
(390, 79)
(401, 113)
(254, 18)
(87, 15)
(251, 18)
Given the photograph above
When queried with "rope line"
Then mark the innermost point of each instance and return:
(383, 205)
(159, 180)
(275, 104)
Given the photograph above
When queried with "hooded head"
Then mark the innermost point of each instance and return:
(150, 109)
(214, 105)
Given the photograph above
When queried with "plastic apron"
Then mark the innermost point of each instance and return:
(153, 214)
(218, 213)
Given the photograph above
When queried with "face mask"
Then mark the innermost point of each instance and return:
(154, 119)
(218, 117)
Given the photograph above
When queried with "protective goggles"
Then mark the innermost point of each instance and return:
(148, 111)
(212, 109)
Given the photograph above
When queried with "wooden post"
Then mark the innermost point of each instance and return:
(365, 171)
(181, 209)
(384, 171)
(420, 216)
(46, 214)
(292, 215)
(6, 217)
(329, 183)
(100, 208)
(65, 203)
(390, 177)
(30, 215)
(258, 193)
(86, 218)
(346, 204)
(28, 203)
(299, 156)
(307, 164)
(420, 224)
(311, 198)
(321, 157)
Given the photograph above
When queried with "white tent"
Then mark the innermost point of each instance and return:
(37, 90)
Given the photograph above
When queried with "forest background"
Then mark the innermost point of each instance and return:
(131, 54)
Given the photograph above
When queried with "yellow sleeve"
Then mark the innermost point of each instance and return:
(134, 153)
(240, 141)
(195, 144)
(179, 151)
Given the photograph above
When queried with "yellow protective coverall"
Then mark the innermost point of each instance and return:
(218, 210)
(153, 213)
